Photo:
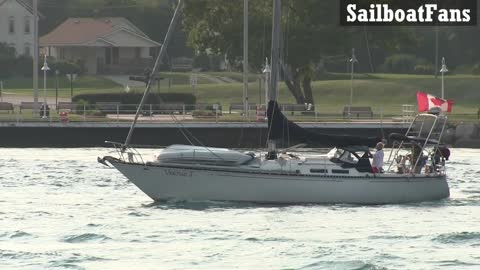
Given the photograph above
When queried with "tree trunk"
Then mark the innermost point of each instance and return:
(307, 89)
(295, 89)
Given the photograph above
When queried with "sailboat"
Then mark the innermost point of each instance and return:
(416, 165)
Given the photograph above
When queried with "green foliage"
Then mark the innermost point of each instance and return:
(7, 61)
(476, 69)
(424, 69)
(202, 62)
(407, 64)
(134, 98)
(67, 67)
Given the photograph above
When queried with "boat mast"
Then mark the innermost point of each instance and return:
(275, 57)
(245, 59)
(35, 56)
(275, 67)
(150, 78)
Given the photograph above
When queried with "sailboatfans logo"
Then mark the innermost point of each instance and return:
(408, 12)
(426, 102)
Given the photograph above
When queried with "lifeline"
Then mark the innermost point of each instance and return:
(425, 13)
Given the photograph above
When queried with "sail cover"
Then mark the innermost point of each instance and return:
(280, 128)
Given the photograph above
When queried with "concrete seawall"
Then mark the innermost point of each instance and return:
(235, 135)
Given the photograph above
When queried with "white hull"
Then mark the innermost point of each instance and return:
(163, 182)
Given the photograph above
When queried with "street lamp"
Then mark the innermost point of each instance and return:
(267, 70)
(56, 87)
(45, 68)
(71, 77)
(443, 71)
(353, 60)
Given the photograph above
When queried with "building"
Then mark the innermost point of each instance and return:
(102, 45)
(16, 26)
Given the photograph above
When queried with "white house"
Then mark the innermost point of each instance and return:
(16, 25)
(103, 45)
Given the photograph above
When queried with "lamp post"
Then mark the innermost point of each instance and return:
(71, 77)
(443, 71)
(353, 60)
(45, 68)
(56, 88)
(267, 70)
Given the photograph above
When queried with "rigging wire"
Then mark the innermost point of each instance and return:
(193, 137)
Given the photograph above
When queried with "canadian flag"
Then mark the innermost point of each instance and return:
(426, 102)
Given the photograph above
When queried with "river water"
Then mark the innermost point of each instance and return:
(60, 209)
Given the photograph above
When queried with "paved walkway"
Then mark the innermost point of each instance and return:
(17, 99)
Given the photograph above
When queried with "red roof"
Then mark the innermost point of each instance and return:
(78, 31)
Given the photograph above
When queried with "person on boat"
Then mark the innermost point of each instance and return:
(418, 159)
(377, 163)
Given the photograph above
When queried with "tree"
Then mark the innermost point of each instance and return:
(311, 31)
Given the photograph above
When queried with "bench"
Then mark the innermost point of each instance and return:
(357, 112)
(65, 106)
(239, 107)
(293, 108)
(5, 106)
(28, 105)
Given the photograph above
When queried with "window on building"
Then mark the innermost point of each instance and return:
(27, 25)
(11, 25)
(27, 50)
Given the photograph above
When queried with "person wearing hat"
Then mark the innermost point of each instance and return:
(377, 163)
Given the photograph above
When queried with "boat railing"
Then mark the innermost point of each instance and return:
(423, 135)
(127, 153)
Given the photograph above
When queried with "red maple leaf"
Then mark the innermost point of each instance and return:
(437, 101)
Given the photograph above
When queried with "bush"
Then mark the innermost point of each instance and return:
(424, 69)
(81, 105)
(135, 98)
(23, 66)
(7, 61)
(400, 63)
(66, 67)
(202, 62)
(476, 69)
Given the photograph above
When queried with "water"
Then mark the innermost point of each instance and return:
(60, 209)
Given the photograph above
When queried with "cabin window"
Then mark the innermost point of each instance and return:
(11, 25)
(27, 25)
(341, 171)
(318, 171)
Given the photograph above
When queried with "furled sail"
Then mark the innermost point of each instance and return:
(280, 128)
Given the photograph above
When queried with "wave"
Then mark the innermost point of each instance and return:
(16, 234)
(457, 238)
(86, 237)
(351, 265)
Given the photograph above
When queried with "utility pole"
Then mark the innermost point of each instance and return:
(35, 56)
(436, 51)
(353, 60)
(245, 59)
